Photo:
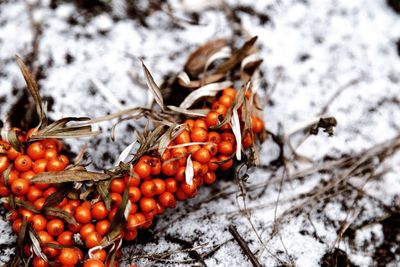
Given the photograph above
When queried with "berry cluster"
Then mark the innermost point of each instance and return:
(70, 228)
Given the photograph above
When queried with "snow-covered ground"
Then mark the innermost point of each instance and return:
(311, 49)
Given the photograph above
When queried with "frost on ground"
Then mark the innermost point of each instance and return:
(321, 58)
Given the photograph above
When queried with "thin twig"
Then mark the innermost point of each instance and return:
(243, 245)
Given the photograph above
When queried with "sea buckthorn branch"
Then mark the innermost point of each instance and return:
(66, 215)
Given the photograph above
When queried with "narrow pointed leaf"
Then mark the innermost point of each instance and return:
(237, 57)
(34, 90)
(151, 84)
(189, 172)
(69, 176)
(208, 90)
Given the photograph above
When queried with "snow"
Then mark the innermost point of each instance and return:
(320, 46)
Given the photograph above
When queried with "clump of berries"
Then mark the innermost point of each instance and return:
(69, 227)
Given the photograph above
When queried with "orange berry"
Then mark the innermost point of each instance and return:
(4, 163)
(38, 204)
(200, 123)
(99, 211)
(16, 225)
(134, 221)
(68, 256)
(36, 150)
(226, 100)
(180, 174)
(100, 255)
(193, 148)
(183, 137)
(134, 194)
(202, 155)
(83, 215)
(167, 199)
(20, 187)
(116, 199)
(86, 230)
(170, 168)
(55, 165)
(39, 222)
(102, 227)
(219, 108)
(23, 163)
(92, 240)
(228, 163)
(44, 237)
(39, 262)
(27, 175)
(117, 185)
(188, 189)
(34, 193)
(50, 153)
(226, 148)
(199, 134)
(147, 204)
(39, 165)
(257, 125)
(160, 186)
(66, 238)
(130, 235)
(55, 227)
(190, 124)
(214, 137)
(212, 118)
(247, 140)
(210, 178)
(229, 92)
(148, 188)
(228, 137)
(171, 185)
(142, 169)
(155, 165)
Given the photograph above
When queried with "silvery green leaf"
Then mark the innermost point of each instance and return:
(125, 153)
(189, 172)
(236, 131)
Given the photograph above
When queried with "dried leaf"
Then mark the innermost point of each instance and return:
(151, 84)
(168, 136)
(182, 76)
(198, 83)
(127, 209)
(119, 214)
(190, 112)
(125, 153)
(248, 66)
(189, 171)
(36, 245)
(224, 52)
(102, 189)
(21, 238)
(69, 176)
(34, 90)
(208, 90)
(236, 131)
(59, 213)
(25, 204)
(57, 197)
(12, 138)
(197, 60)
(237, 57)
